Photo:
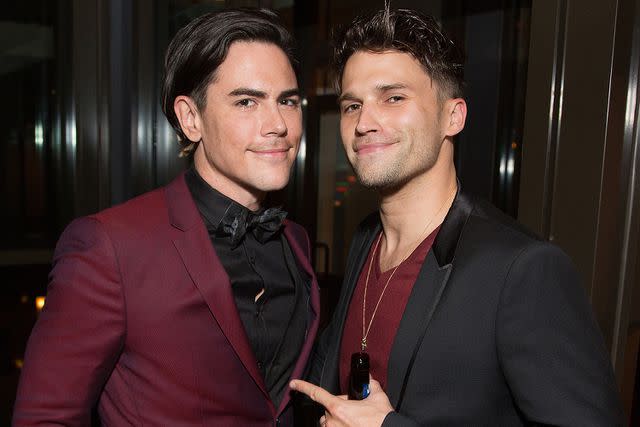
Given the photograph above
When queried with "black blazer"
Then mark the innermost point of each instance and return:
(497, 331)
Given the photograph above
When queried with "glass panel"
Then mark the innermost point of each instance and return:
(342, 201)
(28, 84)
(30, 171)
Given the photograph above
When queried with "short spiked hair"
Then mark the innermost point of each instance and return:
(409, 31)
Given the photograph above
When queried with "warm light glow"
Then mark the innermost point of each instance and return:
(19, 363)
(24, 299)
(337, 203)
(39, 303)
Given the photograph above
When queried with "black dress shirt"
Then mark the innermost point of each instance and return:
(278, 315)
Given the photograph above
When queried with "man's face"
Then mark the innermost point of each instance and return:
(392, 123)
(252, 123)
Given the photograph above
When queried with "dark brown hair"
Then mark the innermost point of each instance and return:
(407, 31)
(200, 47)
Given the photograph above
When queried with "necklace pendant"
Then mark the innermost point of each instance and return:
(359, 376)
(364, 344)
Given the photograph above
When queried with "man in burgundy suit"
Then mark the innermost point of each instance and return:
(191, 305)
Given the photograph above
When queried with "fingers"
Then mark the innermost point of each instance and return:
(317, 394)
(374, 386)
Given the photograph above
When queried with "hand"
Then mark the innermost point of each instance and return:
(342, 412)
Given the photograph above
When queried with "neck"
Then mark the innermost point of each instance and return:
(413, 211)
(251, 200)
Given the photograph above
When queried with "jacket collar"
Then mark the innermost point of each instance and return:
(446, 243)
(182, 209)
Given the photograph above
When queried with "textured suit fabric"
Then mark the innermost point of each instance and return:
(497, 332)
(140, 320)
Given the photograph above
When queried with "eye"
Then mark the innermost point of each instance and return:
(246, 102)
(395, 99)
(350, 108)
(290, 102)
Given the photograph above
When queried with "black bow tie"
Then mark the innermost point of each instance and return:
(264, 224)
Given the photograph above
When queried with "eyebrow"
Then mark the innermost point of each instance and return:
(346, 97)
(379, 88)
(245, 91)
(289, 93)
(391, 86)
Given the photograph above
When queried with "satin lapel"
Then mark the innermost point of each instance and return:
(425, 296)
(355, 261)
(208, 274)
(301, 255)
(423, 302)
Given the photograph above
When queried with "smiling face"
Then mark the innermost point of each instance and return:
(251, 125)
(392, 123)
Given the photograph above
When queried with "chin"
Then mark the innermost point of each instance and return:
(381, 180)
(273, 183)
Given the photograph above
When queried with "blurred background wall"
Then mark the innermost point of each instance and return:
(551, 138)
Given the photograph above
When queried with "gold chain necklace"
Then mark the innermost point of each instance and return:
(365, 333)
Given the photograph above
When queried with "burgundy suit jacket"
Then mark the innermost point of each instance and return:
(140, 319)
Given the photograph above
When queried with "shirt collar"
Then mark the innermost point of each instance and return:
(212, 204)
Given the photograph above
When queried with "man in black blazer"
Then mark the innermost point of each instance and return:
(466, 318)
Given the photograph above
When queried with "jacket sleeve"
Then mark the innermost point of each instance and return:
(328, 341)
(323, 372)
(550, 348)
(79, 334)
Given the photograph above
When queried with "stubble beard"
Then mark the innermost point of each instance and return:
(393, 175)
(380, 178)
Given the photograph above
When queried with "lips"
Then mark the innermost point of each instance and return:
(371, 147)
(271, 152)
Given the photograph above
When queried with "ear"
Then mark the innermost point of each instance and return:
(456, 115)
(189, 117)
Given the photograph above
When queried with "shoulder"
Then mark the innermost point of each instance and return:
(521, 248)
(491, 236)
(132, 220)
(488, 215)
(137, 211)
(489, 227)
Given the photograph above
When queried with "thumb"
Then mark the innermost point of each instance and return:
(374, 386)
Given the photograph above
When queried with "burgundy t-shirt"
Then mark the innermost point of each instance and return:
(385, 324)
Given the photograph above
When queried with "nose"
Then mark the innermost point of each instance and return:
(273, 123)
(367, 121)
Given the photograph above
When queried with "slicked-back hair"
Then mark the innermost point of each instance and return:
(408, 31)
(201, 46)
